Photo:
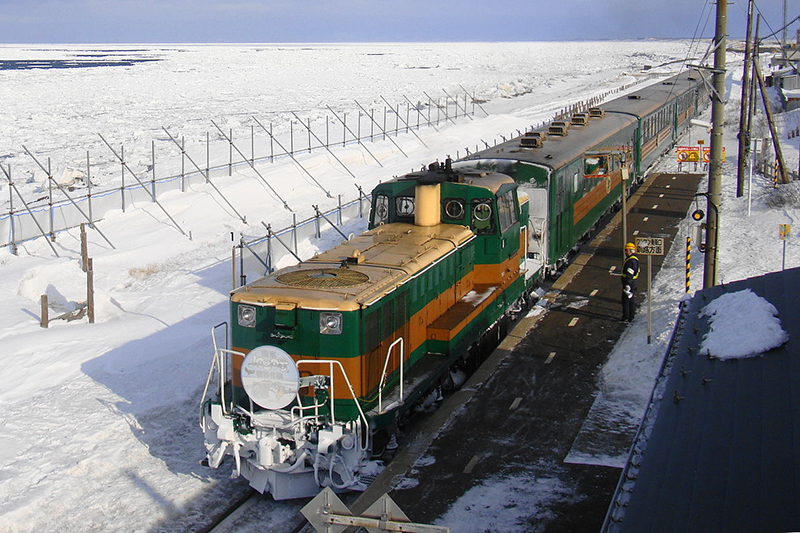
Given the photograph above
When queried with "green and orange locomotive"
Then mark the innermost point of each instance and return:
(325, 353)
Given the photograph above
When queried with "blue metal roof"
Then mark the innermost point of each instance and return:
(719, 448)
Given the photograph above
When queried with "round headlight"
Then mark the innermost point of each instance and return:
(247, 316)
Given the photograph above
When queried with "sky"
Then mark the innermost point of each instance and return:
(293, 21)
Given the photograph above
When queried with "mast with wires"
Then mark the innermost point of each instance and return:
(714, 195)
(744, 132)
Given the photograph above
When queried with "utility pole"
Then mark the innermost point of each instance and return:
(744, 132)
(715, 168)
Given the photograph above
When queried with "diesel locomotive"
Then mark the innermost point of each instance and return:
(324, 355)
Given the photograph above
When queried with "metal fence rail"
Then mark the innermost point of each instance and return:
(53, 210)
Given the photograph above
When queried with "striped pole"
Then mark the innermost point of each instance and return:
(688, 263)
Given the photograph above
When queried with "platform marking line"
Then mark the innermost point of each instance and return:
(655, 206)
(550, 358)
(573, 322)
(593, 292)
(645, 219)
(515, 404)
(472, 463)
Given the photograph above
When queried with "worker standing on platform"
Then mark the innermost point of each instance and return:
(630, 271)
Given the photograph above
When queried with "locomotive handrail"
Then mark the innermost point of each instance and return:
(383, 376)
(215, 363)
(330, 363)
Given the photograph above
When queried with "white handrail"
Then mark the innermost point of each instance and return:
(383, 376)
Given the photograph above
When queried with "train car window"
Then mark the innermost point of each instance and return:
(381, 213)
(404, 206)
(454, 209)
(506, 211)
(575, 182)
(482, 217)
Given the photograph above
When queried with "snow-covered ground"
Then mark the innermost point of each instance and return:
(99, 421)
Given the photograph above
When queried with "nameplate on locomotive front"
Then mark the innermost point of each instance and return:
(270, 377)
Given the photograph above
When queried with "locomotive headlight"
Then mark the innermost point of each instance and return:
(247, 316)
(330, 323)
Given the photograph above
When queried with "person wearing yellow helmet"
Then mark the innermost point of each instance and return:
(630, 271)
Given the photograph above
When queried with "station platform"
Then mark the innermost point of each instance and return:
(494, 452)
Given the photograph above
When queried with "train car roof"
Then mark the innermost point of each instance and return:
(356, 273)
(492, 181)
(648, 99)
(558, 151)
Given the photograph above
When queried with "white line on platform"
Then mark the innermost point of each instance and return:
(550, 358)
(594, 292)
(573, 321)
(515, 404)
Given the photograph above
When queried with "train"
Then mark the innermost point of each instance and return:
(321, 360)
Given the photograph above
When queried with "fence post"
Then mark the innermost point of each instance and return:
(372, 125)
(208, 158)
(327, 132)
(183, 164)
(271, 144)
(90, 290)
(294, 231)
(122, 172)
(252, 144)
(45, 319)
(291, 136)
(153, 179)
(50, 200)
(344, 129)
(89, 188)
(308, 121)
(340, 209)
(358, 130)
(84, 248)
(11, 212)
(230, 153)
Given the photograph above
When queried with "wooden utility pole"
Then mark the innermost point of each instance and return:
(714, 195)
(776, 142)
(744, 132)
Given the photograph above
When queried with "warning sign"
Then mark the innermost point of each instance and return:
(707, 155)
(688, 154)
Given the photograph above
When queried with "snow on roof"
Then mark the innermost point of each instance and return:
(741, 324)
